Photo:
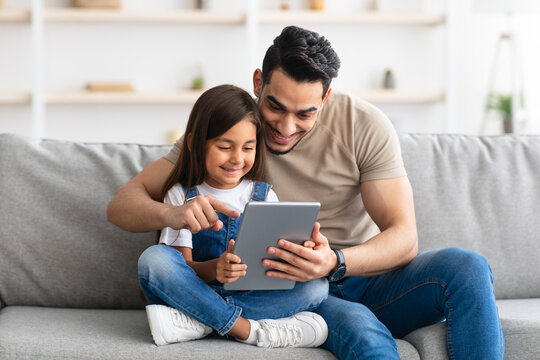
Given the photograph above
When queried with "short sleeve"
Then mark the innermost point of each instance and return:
(378, 152)
(174, 153)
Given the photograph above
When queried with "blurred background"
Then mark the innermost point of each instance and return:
(130, 70)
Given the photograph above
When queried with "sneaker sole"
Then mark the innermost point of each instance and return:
(152, 311)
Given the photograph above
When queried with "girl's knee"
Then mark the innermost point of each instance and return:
(158, 258)
(315, 290)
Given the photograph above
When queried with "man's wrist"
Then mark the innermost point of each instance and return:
(341, 268)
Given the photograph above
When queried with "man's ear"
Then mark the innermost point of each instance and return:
(326, 95)
(257, 82)
(188, 139)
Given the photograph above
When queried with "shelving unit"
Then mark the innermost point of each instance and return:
(400, 96)
(86, 97)
(7, 15)
(358, 18)
(251, 19)
(122, 16)
(15, 98)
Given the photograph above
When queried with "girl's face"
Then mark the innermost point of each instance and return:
(231, 155)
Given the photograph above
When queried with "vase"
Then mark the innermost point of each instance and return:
(508, 125)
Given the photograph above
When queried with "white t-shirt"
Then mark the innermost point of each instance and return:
(235, 198)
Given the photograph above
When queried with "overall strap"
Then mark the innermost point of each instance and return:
(260, 190)
(191, 194)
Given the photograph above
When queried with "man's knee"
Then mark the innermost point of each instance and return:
(469, 266)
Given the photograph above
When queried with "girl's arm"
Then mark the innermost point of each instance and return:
(206, 270)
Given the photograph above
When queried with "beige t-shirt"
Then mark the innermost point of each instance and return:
(352, 141)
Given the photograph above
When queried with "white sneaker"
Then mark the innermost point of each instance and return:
(305, 329)
(169, 325)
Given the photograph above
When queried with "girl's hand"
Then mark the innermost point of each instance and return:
(198, 214)
(228, 267)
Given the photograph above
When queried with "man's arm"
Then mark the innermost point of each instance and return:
(134, 207)
(390, 204)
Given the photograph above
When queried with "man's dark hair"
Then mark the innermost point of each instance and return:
(303, 55)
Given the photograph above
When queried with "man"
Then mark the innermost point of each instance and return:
(344, 153)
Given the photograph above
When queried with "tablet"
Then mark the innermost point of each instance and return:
(262, 225)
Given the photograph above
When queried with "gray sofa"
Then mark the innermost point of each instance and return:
(68, 284)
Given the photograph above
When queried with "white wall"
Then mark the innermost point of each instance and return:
(164, 57)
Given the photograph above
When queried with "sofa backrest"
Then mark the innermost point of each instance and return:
(58, 249)
(56, 246)
(482, 193)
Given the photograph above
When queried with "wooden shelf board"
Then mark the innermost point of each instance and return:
(178, 16)
(365, 17)
(87, 97)
(15, 98)
(400, 96)
(8, 15)
(190, 96)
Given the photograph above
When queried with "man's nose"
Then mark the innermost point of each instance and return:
(286, 125)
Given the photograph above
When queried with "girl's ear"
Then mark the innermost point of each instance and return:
(257, 82)
(188, 139)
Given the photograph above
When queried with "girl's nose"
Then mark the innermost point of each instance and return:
(236, 156)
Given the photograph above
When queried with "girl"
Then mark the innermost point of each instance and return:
(221, 160)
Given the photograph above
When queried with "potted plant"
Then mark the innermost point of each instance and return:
(502, 103)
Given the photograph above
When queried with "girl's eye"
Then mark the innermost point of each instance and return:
(225, 148)
(248, 148)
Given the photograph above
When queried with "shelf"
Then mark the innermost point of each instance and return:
(7, 15)
(14, 98)
(85, 97)
(233, 18)
(400, 96)
(119, 16)
(190, 96)
(366, 17)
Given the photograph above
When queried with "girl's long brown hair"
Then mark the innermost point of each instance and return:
(214, 113)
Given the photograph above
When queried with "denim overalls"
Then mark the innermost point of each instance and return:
(209, 244)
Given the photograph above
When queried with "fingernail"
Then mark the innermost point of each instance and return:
(281, 243)
(271, 250)
(266, 263)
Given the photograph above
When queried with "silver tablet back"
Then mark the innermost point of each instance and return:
(262, 225)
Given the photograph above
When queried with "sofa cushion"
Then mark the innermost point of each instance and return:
(481, 193)
(56, 246)
(32, 332)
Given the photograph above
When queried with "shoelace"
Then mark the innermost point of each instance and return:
(184, 321)
(282, 335)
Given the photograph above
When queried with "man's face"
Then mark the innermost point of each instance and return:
(289, 108)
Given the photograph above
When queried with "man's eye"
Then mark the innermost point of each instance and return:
(274, 107)
(305, 116)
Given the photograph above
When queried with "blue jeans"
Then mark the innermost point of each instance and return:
(364, 314)
(166, 279)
